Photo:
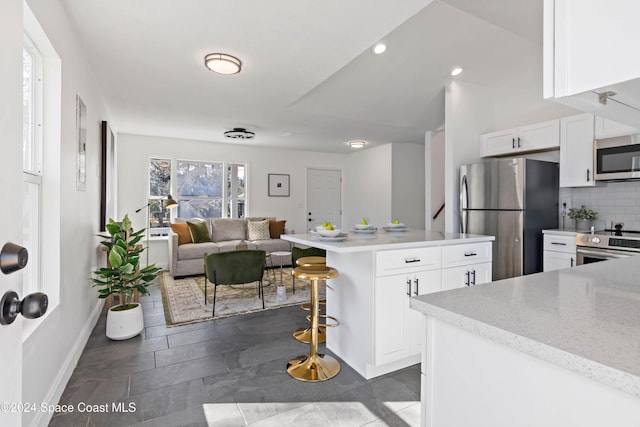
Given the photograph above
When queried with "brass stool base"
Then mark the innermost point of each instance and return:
(304, 335)
(312, 368)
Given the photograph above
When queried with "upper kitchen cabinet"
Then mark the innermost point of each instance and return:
(606, 128)
(576, 151)
(537, 137)
(589, 57)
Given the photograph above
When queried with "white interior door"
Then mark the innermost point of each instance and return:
(11, 34)
(324, 197)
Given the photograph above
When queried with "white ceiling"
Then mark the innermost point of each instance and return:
(309, 79)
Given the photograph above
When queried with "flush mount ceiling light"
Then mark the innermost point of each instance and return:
(456, 71)
(239, 133)
(222, 63)
(379, 48)
(357, 143)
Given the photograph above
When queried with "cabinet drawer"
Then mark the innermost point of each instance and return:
(473, 253)
(408, 260)
(552, 242)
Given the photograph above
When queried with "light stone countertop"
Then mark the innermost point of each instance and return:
(585, 319)
(381, 240)
(563, 232)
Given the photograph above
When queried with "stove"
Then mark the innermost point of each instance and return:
(606, 244)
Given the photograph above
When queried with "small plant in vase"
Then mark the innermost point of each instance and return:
(582, 216)
(123, 277)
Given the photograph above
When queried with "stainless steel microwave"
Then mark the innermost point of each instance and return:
(617, 158)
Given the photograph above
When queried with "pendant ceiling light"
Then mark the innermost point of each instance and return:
(239, 133)
(222, 63)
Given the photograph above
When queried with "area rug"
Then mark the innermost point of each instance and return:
(183, 298)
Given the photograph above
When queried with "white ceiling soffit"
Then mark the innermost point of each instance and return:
(307, 67)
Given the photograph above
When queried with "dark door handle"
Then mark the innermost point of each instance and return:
(588, 175)
(417, 291)
(571, 261)
(473, 274)
(468, 280)
(513, 143)
(518, 142)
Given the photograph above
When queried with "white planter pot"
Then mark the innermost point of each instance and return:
(125, 324)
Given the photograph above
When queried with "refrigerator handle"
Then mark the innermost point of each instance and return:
(464, 203)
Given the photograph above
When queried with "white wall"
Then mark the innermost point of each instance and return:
(436, 161)
(62, 334)
(408, 184)
(466, 117)
(11, 177)
(134, 152)
(367, 186)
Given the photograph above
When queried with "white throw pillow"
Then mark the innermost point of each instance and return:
(259, 230)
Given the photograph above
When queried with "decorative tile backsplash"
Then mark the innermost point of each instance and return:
(614, 201)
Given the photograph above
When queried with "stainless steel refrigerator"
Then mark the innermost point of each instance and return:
(513, 200)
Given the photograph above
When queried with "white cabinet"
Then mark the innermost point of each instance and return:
(559, 250)
(605, 128)
(536, 137)
(405, 273)
(587, 61)
(466, 265)
(402, 274)
(576, 151)
(468, 275)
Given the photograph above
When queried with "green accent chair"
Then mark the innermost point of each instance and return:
(297, 253)
(234, 268)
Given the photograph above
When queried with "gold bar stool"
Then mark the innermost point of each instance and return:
(303, 335)
(314, 366)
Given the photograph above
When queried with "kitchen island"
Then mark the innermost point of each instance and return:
(557, 348)
(378, 274)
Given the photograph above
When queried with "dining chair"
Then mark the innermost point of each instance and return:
(234, 268)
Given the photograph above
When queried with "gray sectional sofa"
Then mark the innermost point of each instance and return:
(226, 234)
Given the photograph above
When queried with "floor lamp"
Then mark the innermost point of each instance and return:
(171, 203)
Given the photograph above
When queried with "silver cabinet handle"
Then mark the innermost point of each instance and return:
(409, 287)
(417, 282)
(473, 274)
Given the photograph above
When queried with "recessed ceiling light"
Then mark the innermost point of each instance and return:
(222, 63)
(357, 143)
(456, 71)
(379, 48)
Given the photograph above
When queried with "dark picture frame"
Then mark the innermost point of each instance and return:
(81, 141)
(278, 185)
(107, 174)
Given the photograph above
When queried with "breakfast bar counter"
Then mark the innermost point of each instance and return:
(378, 274)
(554, 348)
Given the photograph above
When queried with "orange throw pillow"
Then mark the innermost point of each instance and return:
(276, 228)
(182, 230)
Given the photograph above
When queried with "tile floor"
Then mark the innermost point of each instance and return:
(227, 372)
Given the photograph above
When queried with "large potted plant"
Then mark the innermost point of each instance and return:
(123, 277)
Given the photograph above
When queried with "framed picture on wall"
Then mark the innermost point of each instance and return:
(107, 175)
(278, 185)
(81, 136)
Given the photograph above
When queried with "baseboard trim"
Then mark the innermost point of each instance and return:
(65, 372)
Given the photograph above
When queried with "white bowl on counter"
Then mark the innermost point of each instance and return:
(362, 226)
(329, 233)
